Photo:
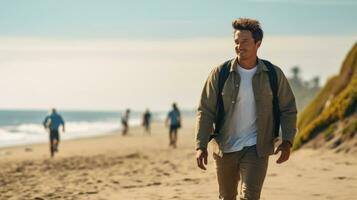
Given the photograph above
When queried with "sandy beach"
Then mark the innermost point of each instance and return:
(144, 167)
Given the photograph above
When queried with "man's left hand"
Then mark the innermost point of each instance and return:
(284, 147)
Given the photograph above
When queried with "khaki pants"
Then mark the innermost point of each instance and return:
(244, 166)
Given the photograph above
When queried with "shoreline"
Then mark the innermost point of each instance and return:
(78, 137)
(104, 134)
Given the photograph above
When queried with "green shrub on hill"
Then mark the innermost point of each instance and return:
(337, 100)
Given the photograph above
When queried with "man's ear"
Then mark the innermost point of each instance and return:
(258, 44)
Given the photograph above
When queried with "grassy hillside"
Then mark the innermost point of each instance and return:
(336, 101)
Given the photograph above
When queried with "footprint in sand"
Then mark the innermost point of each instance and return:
(92, 192)
(7, 196)
(129, 186)
(340, 178)
(195, 181)
(89, 183)
(50, 195)
(187, 179)
(154, 184)
(134, 155)
(165, 162)
(27, 149)
(344, 163)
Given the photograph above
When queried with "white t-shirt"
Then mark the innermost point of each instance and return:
(243, 129)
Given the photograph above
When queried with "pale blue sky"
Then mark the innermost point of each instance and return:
(86, 54)
(167, 19)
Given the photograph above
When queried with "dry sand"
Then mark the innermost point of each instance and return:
(144, 167)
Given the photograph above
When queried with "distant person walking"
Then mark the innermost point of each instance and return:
(147, 120)
(52, 123)
(125, 122)
(174, 121)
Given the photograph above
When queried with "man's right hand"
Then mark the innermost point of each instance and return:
(201, 158)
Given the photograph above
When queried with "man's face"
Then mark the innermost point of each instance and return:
(245, 47)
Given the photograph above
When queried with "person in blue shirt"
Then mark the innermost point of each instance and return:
(52, 123)
(174, 119)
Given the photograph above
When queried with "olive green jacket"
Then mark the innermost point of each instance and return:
(206, 113)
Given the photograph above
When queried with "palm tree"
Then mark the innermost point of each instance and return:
(296, 72)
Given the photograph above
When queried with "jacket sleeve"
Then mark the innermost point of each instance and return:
(206, 112)
(287, 107)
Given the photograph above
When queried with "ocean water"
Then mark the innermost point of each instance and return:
(18, 127)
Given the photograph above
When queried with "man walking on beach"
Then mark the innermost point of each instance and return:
(147, 120)
(125, 122)
(240, 102)
(173, 120)
(52, 123)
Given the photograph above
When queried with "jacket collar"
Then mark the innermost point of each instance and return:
(260, 65)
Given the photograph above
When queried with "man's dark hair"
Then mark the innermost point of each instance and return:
(251, 25)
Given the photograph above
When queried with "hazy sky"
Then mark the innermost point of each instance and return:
(116, 54)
